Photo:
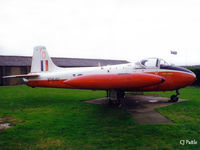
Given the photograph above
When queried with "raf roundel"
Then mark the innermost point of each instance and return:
(43, 54)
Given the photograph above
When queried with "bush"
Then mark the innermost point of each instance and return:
(197, 73)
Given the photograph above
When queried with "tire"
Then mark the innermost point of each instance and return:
(174, 98)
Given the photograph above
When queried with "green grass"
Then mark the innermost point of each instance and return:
(60, 119)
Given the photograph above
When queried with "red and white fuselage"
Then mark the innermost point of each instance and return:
(147, 75)
(152, 74)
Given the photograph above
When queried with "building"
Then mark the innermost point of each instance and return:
(13, 65)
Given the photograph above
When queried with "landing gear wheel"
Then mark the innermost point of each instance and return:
(174, 98)
(116, 98)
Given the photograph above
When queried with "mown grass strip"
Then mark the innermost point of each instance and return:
(50, 118)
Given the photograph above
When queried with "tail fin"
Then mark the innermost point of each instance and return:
(41, 62)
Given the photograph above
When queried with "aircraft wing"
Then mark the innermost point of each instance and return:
(22, 76)
(115, 81)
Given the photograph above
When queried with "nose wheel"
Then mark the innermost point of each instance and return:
(175, 98)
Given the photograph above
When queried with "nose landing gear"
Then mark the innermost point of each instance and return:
(175, 98)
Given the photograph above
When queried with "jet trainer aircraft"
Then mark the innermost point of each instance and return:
(153, 74)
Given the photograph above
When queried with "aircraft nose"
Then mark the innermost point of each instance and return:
(191, 78)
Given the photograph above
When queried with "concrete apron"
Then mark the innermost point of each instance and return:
(5, 122)
(142, 108)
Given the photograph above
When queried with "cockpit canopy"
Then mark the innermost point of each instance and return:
(153, 63)
(158, 63)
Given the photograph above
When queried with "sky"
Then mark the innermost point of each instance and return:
(103, 29)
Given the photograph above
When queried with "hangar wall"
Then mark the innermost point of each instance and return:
(12, 70)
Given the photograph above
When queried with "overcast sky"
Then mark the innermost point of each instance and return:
(110, 29)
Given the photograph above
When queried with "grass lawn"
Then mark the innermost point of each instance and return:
(51, 119)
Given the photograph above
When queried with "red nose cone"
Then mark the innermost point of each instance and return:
(186, 79)
(191, 78)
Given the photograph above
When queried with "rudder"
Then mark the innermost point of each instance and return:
(41, 62)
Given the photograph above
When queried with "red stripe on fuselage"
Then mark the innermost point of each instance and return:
(173, 80)
(114, 81)
(48, 83)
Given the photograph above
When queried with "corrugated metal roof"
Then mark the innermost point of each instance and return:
(62, 62)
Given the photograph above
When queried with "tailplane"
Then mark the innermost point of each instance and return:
(41, 62)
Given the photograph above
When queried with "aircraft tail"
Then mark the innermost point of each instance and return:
(41, 62)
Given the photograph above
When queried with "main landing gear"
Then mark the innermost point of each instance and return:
(175, 98)
(116, 97)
